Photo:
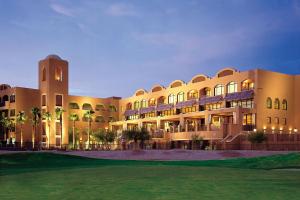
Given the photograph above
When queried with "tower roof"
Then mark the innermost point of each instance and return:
(53, 56)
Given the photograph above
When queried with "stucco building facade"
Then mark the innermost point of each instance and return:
(215, 108)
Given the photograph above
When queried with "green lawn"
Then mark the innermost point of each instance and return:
(53, 176)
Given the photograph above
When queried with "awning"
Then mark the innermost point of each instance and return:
(208, 100)
(247, 94)
(163, 107)
(188, 103)
(131, 112)
(147, 110)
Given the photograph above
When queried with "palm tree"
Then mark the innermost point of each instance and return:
(36, 115)
(8, 124)
(73, 117)
(89, 116)
(48, 117)
(21, 118)
(59, 112)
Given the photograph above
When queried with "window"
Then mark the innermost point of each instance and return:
(100, 107)
(171, 99)
(284, 104)
(277, 104)
(5, 98)
(57, 128)
(58, 74)
(152, 102)
(269, 103)
(143, 103)
(193, 94)
(231, 87)
(44, 103)
(161, 100)
(99, 119)
(12, 113)
(248, 119)
(219, 90)
(276, 120)
(59, 100)
(12, 98)
(284, 121)
(57, 141)
(207, 92)
(111, 119)
(129, 106)
(87, 106)
(73, 106)
(269, 121)
(180, 97)
(247, 85)
(44, 74)
(112, 108)
(43, 128)
(136, 105)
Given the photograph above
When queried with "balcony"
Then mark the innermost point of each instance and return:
(2, 104)
(206, 135)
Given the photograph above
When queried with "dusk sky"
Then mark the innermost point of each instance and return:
(117, 47)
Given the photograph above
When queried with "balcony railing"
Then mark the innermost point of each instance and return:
(2, 104)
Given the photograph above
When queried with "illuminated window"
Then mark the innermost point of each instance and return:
(180, 97)
(171, 99)
(136, 105)
(152, 102)
(143, 103)
(193, 94)
(248, 119)
(269, 103)
(232, 87)
(59, 100)
(247, 85)
(58, 74)
(207, 92)
(284, 104)
(219, 90)
(276, 120)
(112, 108)
(277, 104)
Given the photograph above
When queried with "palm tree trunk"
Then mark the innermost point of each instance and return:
(89, 127)
(21, 136)
(74, 134)
(49, 135)
(33, 138)
(61, 129)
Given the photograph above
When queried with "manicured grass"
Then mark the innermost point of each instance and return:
(53, 176)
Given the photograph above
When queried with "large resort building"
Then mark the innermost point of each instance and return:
(218, 109)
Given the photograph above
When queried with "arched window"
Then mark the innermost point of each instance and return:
(112, 108)
(87, 106)
(73, 106)
(129, 106)
(5, 98)
(205, 92)
(136, 105)
(152, 102)
(193, 94)
(143, 103)
(180, 97)
(284, 104)
(231, 87)
(58, 74)
(100, 107)
(276, 104)
(171, 99)
(161, 100)
(219, 90)
(99, 119)
(44, 74)
(12, 98)
(269, 103)
(247, 85)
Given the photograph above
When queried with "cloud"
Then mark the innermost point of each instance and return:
(121, 9)
(62, 10)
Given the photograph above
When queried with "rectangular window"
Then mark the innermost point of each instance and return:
(283, 121)
(269, 121)
(57, 141)
(12, 98)
(12, 113)
(43, 128)
(276, 120)
(44, 103)
(59, 100)
(57, 128)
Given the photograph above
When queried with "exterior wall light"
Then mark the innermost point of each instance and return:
(265, 128)
(290, 130)
(273, 129)
(295, 130)
(255, 130)
(281, 129)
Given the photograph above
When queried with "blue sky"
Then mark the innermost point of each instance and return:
(116, 47)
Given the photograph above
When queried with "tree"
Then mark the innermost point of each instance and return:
(48, 117)
(196, 140)
(36, 115)
(8, 124)
(21, 118)
(89, 116)
(73, 133)
(137, 135)
(257, 137)
(59, 116)
(73, 117)
(105, 137)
